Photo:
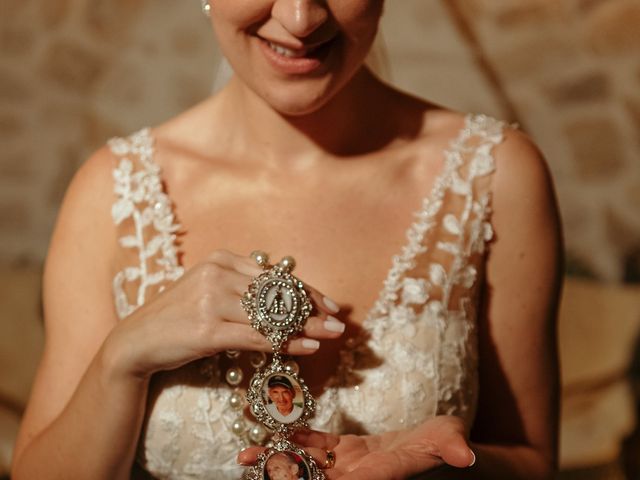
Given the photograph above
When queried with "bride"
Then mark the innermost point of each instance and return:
(428, 241)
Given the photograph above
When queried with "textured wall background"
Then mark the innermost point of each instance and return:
(74, 72)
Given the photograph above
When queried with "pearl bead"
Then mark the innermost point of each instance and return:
(234, 376)
(258, 359)
(288, 263)
(260, 257)
(257, 434)
(236, 401)
(238, 427)
(292, 366)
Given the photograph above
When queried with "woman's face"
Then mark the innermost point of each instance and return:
(295, 54)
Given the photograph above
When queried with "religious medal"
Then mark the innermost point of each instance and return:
(277, 303)
(278, 307)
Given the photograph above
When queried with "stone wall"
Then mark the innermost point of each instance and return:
(571, 71)
(74, 72)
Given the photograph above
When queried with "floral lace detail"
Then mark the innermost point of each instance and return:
(140, 197)
(415, 358)
(423, 325)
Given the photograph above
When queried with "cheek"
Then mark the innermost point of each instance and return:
(357, 19)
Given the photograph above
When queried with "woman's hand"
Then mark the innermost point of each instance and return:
(201, 315)
(394, 455)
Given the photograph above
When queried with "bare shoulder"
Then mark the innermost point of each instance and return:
(84, 217)
(522, 181)
(79, 262)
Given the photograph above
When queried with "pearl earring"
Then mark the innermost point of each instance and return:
(206, 7)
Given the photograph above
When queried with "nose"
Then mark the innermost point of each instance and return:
(300, 17)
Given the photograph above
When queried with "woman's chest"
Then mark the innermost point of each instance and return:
(343, 239)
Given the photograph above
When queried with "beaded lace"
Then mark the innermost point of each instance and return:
(415, 358)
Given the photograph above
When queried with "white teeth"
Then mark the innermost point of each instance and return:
(287, 52)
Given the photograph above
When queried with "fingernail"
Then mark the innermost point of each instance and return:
(473, 462)
(332, 324)
(238, 461)
(331, 305)
(310, 344)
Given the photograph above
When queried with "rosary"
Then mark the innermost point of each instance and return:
(278, 306)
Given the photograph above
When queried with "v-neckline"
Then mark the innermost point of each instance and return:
(414, 234)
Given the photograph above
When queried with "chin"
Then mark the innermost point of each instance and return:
(296, 101)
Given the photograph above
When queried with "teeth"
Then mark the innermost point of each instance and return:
(287, 52)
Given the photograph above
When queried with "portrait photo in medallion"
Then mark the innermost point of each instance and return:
(416, 335)
(283, 402)
(285, 466)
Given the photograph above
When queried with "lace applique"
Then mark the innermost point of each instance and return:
(140, 198)
(416, 356)
(423, 324)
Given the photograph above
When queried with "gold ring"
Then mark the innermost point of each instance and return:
(331, 459)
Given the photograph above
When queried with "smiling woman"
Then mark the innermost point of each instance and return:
(303, 51)
(426, 247)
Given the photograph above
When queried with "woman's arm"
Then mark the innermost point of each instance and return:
(515, 433)
(87, 404)
(517, 416)
(89, 431)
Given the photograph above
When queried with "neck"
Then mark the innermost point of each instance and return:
(349, 124)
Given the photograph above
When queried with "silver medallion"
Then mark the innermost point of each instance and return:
(277, 305)
(279, 399)
(284, 460)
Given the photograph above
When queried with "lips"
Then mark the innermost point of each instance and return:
(295, 60)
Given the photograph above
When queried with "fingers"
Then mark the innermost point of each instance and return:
(313, 438)
(249, 456)
(452, 443)
(231, 261)
(456, 452)
(320, 456)
(322, 302)
(329, 327)
(233, 273)
(234, 336)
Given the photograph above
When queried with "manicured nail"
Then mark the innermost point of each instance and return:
(473, 462)
(331, 305)
(240, 462)
(310, 344)
(332, 324)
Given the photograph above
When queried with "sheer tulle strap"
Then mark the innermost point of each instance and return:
(143, 213)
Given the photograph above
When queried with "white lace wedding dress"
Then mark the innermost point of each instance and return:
(416, 357)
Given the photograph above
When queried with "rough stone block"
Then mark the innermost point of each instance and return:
(11, 125)
(111, 19)
(54, 12)
(12, 87)
(596, 148)
(538, 55)
(614, 28)
(589, 87)
(16, 40)
(16, 166)
(73, 67)
(528, 15)
(15, 217)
